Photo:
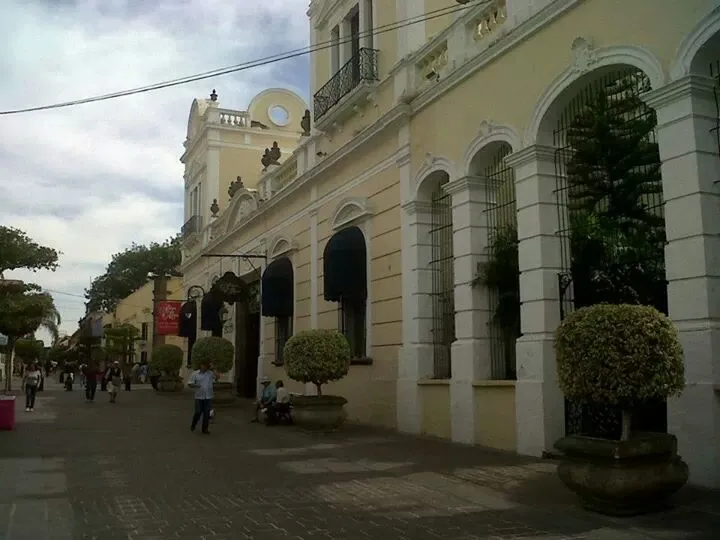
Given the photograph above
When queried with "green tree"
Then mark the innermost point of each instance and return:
(128, 271)
(29, 349)
(23, 309)
(18, 250)
(617, 236)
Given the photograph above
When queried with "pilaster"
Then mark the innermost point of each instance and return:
(471, 349)
(687, 116)
(539, 403)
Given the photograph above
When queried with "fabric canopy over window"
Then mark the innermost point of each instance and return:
(277, 289)
(188, 320)
(345, 266)
(210, 307)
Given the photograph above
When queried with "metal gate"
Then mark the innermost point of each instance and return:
(501, 215)
(443, 286)
(577, 279)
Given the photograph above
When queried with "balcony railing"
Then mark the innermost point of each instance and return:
(362, 67)
(191, 226)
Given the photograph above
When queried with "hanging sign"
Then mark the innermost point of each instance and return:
(167, 318)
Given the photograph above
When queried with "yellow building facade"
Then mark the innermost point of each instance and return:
(437, 124)
(137, 309)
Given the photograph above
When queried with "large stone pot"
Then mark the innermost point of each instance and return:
(622, 478)
(319, 413)
(223, 394)
(170, 384)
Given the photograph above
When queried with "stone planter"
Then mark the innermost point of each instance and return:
(319, 413)
(223, 394)
(170, 384)
(622, 478)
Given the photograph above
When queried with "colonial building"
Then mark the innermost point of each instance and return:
(444, 132)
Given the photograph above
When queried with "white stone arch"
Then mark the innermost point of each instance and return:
(588, 61)
(704, 31)
(197, 109)
(349, 212)
(276, 91)
(282, 246)
(489, 133)
(427, 173)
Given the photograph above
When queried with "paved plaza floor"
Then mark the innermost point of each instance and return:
(133, 470)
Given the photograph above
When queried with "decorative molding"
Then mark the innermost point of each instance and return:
(684, 88)
(708, 27)
(350, 211)
(584, 56)
(488, 133)
(530, 154)
(430, 165)
(466, 183)
(605, 56)
(417, 207)
(281, 245)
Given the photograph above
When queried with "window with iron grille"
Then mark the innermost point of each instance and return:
(715, 74)
(353, 324)
(144, 330)
(443, 286)
(283, 331)
(500, 273)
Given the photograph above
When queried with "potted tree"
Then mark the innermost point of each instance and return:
(219, 353)
(622, 356)
(318, 357)
(168, 359)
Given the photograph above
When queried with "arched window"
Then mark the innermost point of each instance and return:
(278, 301)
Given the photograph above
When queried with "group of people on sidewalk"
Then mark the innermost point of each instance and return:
(111, 379)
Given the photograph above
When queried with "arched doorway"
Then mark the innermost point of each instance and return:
(608, 186)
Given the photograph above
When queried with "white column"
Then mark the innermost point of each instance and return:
(416, 355)
(690, 174)
(261, 334)
(366, 23)
(539, 403)
(345, 44)
(412, 36)
(471, 349)
(314, 269)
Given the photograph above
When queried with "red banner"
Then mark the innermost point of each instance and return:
(167, 318)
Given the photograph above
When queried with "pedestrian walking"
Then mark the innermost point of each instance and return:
(114, 380)
(91, 377)
(202, 381)
(31, 380)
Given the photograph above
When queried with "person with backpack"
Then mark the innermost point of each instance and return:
(31, 380)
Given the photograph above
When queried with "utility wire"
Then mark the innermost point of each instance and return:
(255, 63)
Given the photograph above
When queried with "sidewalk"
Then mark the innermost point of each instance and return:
(74, 470)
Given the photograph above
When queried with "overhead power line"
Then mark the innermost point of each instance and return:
(287, 55)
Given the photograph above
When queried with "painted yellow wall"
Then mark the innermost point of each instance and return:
(435, 403)
(137, 308)
(507, 91)
(436, 24)
(495, 414)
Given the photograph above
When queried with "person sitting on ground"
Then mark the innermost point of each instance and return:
(267, 397)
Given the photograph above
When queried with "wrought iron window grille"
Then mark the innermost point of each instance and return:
(362, 67)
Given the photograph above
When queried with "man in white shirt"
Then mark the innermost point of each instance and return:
(202, 381)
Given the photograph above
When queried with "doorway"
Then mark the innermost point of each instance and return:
(247, 348)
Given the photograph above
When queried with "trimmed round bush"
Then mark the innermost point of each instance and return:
(216, 351)
(619, 355)
(317, 356)
(167, 359)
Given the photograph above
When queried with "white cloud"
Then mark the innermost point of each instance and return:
(91, 179)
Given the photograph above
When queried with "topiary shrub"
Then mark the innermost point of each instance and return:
(317, 356)
(167, 359)
(619, 355)
(216, 351)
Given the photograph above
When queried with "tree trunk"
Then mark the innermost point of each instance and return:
(319, 389)
(626, 424)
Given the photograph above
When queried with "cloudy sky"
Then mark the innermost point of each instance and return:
(91, 179)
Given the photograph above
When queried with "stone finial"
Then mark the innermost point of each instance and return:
(235, 186)
(214, 208)
(305, 123)
(271, 155)
(213, 95)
